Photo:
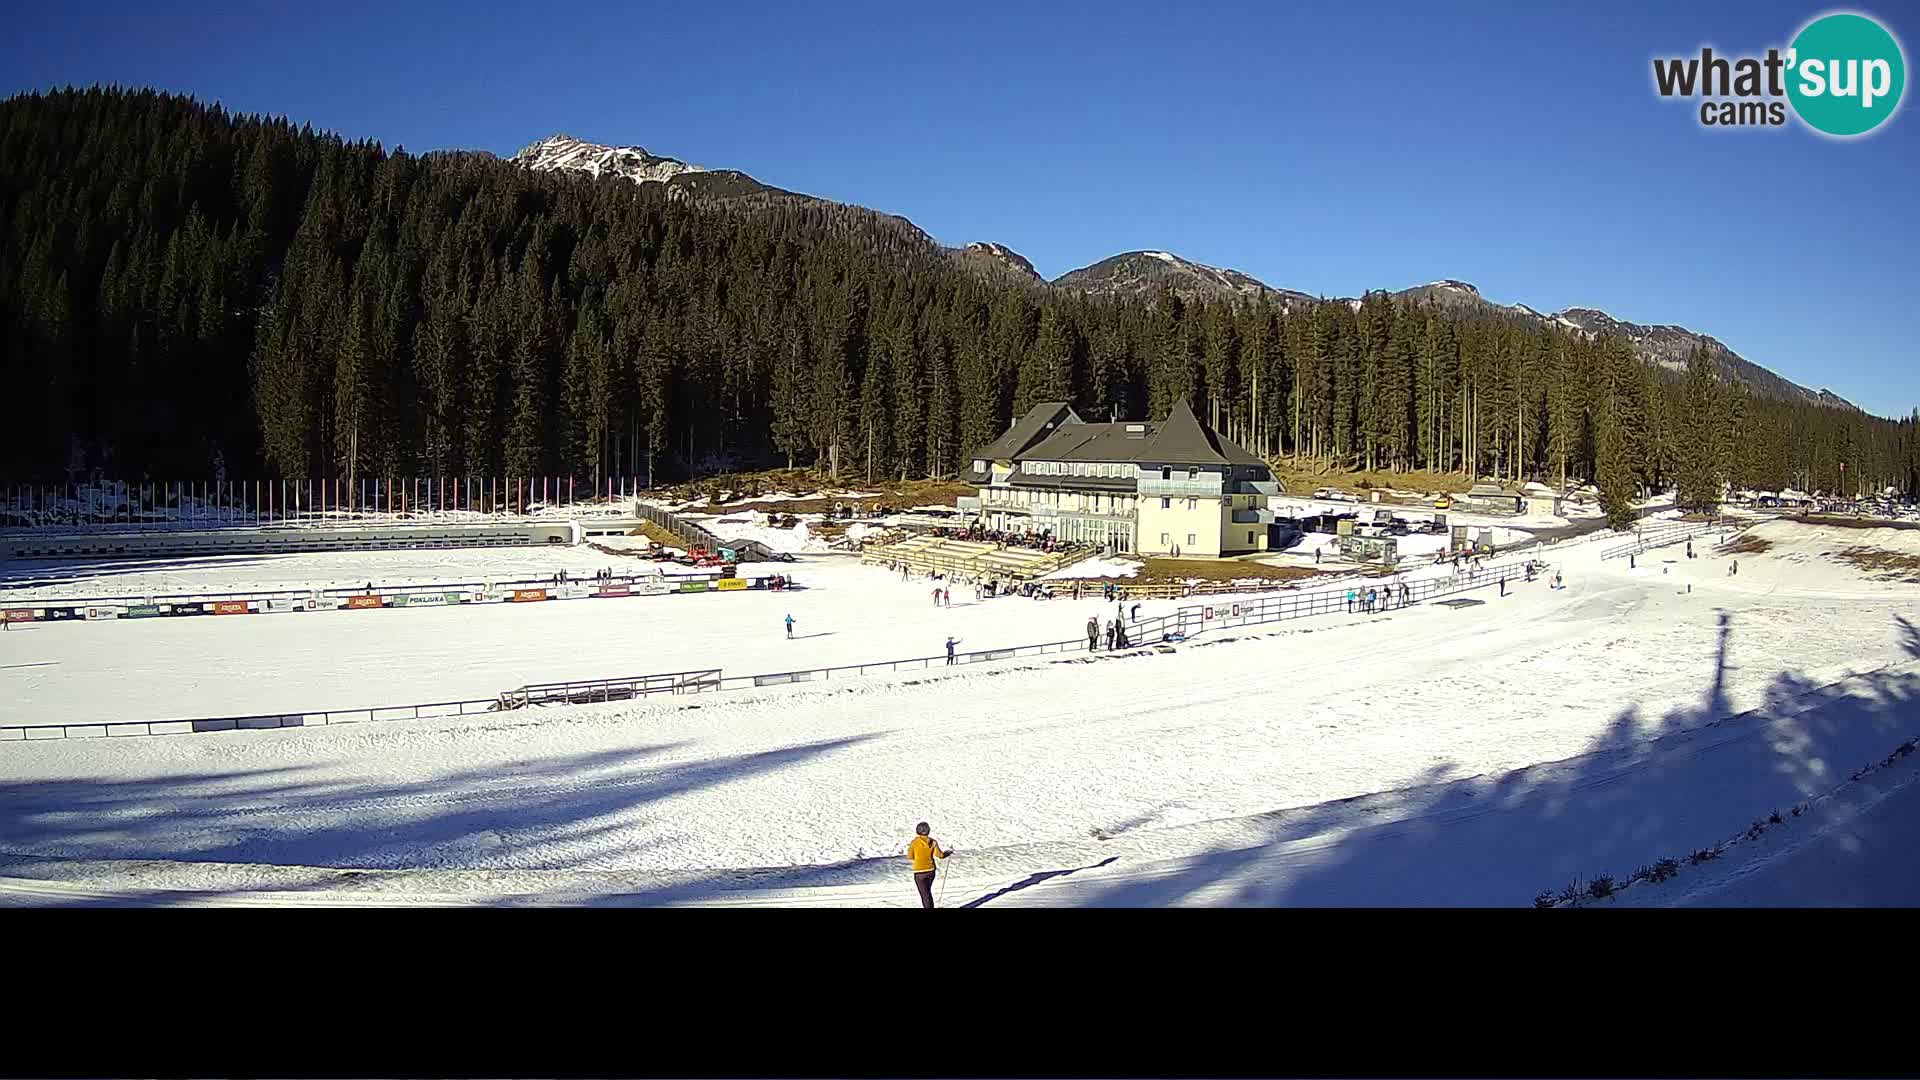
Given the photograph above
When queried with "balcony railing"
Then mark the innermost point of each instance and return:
(1207, 484)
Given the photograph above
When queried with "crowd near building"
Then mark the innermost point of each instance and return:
(1174, 487)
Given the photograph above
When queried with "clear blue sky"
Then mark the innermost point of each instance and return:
(1520, 147)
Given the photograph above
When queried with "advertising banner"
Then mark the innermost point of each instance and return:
(143, 611)
(730, 584)
(573, 592)
(230, 607)
(693, 586)
(285, 604)
(103, 613)
(363, 602)
(19, 615)
(653, 587)
(182, 609)
(426, 599)
(613, 590)
(527, 596)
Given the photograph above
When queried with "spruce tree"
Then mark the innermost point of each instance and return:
(1615, 478)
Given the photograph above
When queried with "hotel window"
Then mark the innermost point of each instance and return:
(1166, 503)
(1249, 539)
(1192, 503)
(1190, 540)
(1163, 539)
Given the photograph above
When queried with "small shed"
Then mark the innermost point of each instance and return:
(1539, 500)
(1487, 495)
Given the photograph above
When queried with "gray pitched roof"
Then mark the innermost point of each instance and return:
(1051, 432)
(1028, 430)
(1094, 442)
(1184, 440)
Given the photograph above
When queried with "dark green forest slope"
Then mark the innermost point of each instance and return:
(184, 291)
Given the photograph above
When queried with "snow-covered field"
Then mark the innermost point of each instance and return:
(844, 613)
(30, 579)
(1428, 755)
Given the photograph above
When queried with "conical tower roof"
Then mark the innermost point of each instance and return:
(1185, 440)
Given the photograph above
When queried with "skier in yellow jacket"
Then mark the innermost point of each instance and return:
(921, 851)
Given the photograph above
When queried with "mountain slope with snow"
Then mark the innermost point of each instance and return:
(1000, 261)
(1667, 346)
(1136, 272)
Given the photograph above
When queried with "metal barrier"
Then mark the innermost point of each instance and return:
(583, 692)
(322, 718)
(679, 526)
(340, 592)
(1661, 536)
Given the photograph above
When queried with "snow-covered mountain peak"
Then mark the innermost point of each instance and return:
(564, 153)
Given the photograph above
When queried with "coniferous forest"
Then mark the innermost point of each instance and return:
(185, 292)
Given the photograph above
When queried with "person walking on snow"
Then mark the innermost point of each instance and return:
(951, 642)
(1093, 634)
(1349, 601)
(921, 851)
(789, 625)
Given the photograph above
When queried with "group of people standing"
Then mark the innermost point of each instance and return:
(1116, 633)
(1376, 598)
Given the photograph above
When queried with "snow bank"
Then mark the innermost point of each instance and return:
(754, 527)
(1096, 567)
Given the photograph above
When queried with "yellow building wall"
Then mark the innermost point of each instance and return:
(1177, 522)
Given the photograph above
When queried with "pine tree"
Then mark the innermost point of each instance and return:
(792, 394)
(1614, 477)
(1702, 448)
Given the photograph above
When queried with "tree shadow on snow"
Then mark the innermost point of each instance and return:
(1643, 789)
(571, 812)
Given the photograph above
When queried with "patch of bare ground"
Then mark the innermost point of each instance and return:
(1856, 522)
(1892, 565)
(657, 534)
(1747, 545)
(1182, 570)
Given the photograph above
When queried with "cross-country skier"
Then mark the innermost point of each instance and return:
(789, 624)
(921, 851)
